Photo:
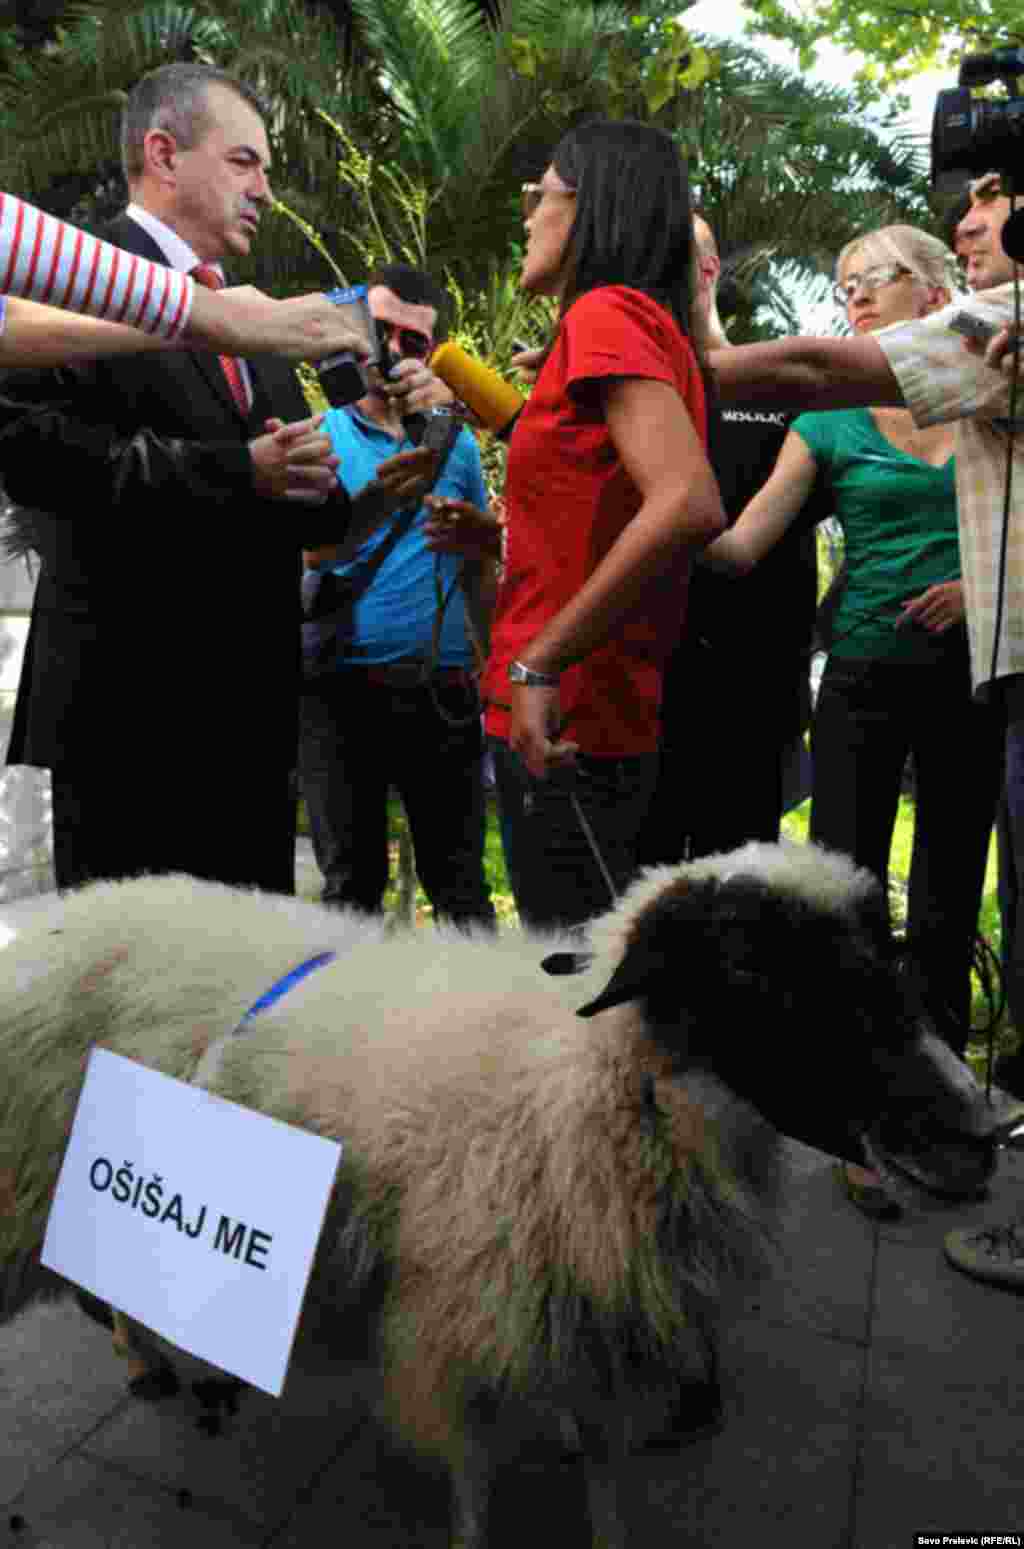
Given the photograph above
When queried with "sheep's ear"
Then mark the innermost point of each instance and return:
(559, 963)
(640, 969)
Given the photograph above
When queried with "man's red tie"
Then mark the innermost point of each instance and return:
(206, 274)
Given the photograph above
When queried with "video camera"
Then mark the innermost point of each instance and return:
(972, 135)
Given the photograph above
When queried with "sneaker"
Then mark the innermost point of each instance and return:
(993, 1253)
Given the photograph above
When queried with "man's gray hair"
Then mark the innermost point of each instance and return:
(173, 98)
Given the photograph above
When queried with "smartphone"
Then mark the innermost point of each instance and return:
(973, 327)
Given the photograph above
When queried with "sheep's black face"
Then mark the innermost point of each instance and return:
(806, 1014)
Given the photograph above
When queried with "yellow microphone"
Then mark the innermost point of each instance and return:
(490, 397)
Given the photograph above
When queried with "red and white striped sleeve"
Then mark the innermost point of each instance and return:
(44, 259)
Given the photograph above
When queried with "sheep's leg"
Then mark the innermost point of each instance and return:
(605, 1446)
(472, 1478)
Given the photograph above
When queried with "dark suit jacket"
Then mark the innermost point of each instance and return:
(166, 620)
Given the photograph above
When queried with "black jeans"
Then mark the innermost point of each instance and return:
(1008, 694)
(556, 878)
(870, 715)
(724, 724)
(357, 738)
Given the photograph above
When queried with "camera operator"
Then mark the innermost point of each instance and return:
(927, 367)
(390, 696)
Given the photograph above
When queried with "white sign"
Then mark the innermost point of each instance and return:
(191, 1214)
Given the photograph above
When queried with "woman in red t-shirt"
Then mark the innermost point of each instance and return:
(608, 494)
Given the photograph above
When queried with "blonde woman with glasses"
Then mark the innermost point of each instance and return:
(897, 681)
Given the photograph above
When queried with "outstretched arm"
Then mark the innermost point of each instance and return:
(766, 517)
(129, 304)
(807, 374)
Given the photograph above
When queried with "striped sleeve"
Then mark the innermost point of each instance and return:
(43, 259)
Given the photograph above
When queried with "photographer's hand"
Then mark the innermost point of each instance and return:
(406, 477)
(1001, 350)
(414, 387)
(459, 527)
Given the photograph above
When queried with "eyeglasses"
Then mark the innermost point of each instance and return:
(871, 281)
(533, 193)
(412, 344)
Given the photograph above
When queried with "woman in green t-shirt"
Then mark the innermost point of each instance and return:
(897, 680)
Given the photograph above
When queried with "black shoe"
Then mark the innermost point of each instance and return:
(1008, 1072)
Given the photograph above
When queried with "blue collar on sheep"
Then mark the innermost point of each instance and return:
(281, 987)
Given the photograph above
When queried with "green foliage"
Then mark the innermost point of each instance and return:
(899, 39)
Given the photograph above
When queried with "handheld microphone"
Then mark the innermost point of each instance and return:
(490, 397)
(342, 376)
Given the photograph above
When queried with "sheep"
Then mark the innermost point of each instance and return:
(545, 1178)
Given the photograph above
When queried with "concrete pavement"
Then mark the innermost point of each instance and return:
(871, 1393)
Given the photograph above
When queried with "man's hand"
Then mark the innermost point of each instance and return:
(535, 729)
(1002, 350)
(459, 527)
(241, 320)
(294, 462)
(937, 609)
(415, 387)
(405, 478)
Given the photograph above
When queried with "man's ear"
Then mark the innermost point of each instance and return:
(160, 150)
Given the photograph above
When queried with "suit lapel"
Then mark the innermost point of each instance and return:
(134, 239)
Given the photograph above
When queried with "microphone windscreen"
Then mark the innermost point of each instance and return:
(490, 397)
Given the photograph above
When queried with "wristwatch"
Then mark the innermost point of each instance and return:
(517, 673)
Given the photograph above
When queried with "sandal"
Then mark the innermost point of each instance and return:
(870, 1199)
(994, 1253)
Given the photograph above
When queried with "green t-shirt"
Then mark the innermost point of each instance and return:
(898, 517)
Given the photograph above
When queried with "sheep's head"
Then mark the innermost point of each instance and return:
(774, 967)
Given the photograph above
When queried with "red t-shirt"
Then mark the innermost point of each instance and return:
(567, 499)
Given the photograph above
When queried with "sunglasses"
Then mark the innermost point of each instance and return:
(533, 193)
(412, 344)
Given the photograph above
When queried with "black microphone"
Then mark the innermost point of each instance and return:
(1012, 236)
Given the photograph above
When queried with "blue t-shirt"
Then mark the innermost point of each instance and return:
(394, 618)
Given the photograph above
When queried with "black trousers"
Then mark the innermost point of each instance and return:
(724, 725)
(557, 879)
(359, 736)
(870, 715)
(236, 827)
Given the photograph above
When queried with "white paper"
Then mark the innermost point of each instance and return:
(217, 1259)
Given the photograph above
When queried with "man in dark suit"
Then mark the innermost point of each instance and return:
(160, 682)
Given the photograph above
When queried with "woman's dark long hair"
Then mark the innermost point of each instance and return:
(634, 216)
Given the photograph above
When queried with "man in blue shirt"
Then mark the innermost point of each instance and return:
(396, 704)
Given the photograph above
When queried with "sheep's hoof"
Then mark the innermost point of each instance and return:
(696, 1413)
(216, 1394)
(158, 1382)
